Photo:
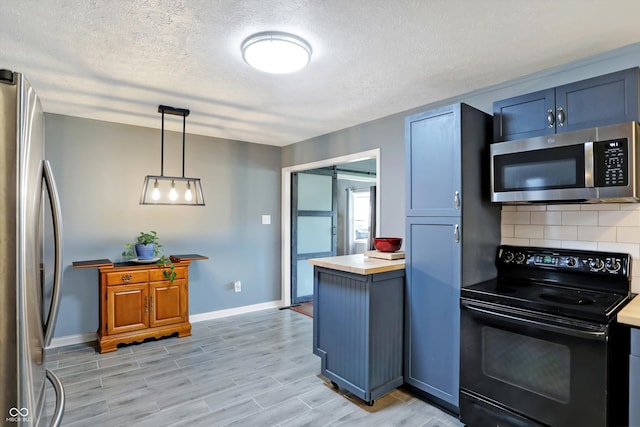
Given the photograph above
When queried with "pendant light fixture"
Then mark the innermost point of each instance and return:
(172, 190)
(276, 52)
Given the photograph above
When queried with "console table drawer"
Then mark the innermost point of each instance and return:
(126, 277)
(158, 276)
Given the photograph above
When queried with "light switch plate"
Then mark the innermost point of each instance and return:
(266, 219)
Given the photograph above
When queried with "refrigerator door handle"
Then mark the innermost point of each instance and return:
(57, 231)
(56, 418)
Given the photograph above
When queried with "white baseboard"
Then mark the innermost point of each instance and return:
(73, 339)
(194, 318)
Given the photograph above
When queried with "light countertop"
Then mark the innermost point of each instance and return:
(359, 264)
(630, 314)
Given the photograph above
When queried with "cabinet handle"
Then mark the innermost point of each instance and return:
(456, 233)
(126, 277)
(151, 304)
(550, 118)
(456, 200)
(146, 305)
(561, 116)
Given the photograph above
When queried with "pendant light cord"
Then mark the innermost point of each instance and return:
(184, 127)
(162, 149)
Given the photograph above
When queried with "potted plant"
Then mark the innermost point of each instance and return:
(147, 247)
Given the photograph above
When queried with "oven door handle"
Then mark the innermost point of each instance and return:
(522, 318)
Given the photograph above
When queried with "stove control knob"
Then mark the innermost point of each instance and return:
(507, 256)
(520, 258)
(571, 262)
(596, 264)
(612, 265)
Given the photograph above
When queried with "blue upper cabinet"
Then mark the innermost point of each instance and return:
(524, 116)
(600, 101)
(433, 162)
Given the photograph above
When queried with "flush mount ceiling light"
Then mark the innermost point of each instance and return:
(172, 190)
(276, 52)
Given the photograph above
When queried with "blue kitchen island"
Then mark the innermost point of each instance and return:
(358, 309)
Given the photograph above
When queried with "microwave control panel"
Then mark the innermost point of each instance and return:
(611, 162)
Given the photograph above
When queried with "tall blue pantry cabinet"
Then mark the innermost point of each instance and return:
(452, 232)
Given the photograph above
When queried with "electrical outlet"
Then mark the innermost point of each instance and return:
(237, 286)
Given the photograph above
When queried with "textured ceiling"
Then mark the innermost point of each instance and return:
(117, 60)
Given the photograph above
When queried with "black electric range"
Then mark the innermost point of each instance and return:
(539, 343)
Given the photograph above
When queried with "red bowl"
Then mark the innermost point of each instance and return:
(387, 244)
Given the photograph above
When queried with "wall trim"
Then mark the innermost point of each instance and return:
(194, 318)
(73, 339)
(218, 314)
(286, 207)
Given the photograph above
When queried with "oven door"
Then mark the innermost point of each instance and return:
(524, 368)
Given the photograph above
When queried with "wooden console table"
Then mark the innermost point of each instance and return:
(137, 302)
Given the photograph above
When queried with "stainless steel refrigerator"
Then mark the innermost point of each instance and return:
(30, 257)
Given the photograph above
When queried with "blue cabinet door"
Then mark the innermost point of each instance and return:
(432, 308)
(524, 116)
(433, 162)
(600, 101)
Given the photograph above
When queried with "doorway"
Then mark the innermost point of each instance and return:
(287, 174)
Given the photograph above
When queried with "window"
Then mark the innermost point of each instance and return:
(361, 214)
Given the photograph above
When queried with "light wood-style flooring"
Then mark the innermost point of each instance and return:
(253, 369)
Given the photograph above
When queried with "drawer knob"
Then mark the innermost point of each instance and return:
(126, 277)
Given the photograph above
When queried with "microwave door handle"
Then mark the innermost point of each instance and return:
(54, 199)
(588, 165)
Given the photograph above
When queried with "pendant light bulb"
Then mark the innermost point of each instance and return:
(173, 194)
(188, 195)
(155, 195)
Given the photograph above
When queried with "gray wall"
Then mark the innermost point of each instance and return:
(388, 133)
(99, 169)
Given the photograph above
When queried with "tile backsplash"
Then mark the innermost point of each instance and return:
(613, 227)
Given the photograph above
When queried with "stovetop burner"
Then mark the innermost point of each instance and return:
(585, 285)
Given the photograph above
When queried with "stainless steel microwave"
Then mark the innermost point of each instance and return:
(590, 166)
